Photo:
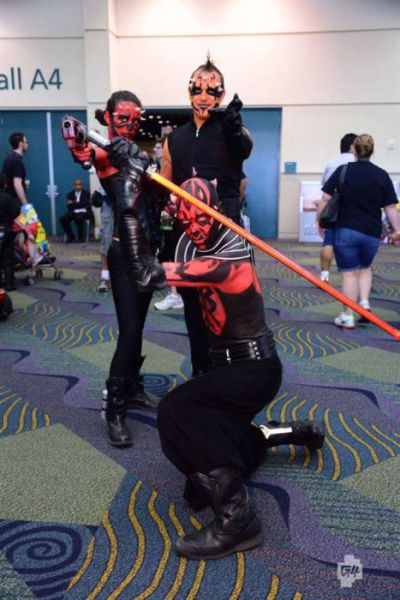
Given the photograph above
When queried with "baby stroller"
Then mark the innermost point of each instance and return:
(31, 247)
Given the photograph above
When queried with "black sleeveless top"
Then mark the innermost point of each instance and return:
(204, 153)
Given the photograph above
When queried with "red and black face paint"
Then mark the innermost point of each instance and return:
(206, 91)
(124, 121)
(199, 227)
(210, 83)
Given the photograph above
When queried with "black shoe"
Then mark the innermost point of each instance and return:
(118, 432)
(301, 433)
(236, 526)
(194, 495)
(137, 399)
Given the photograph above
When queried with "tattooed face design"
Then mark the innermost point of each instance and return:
(202, 229)
(205, 91)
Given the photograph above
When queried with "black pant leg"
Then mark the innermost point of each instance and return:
(204, 423)
(231, 208)
(65, 222)
(80, 219)
(131, 307)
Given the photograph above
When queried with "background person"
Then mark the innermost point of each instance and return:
(347, 154)
(99, 200)
(14, 168)
(172, 299)
(9, 210)
(356, 237)
(79, 211)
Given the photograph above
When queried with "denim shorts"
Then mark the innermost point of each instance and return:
(354, 250)
(107, 227)
(328, 237)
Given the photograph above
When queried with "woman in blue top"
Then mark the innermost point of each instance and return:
(365, 191)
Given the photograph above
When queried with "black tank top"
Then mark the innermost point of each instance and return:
(204, 153)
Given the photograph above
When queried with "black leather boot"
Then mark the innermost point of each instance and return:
(136, 397)
(194, 494)
(9, 279)
(300, 433)
(236, 526)
(117, 430)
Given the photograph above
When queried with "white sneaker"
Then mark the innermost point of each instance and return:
(324, 276)
(103, 286)
(344, 321)
(170, 301)
(365, 304)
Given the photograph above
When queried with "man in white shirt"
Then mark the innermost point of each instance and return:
(347, 154)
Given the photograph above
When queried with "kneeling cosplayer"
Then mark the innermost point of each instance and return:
(205, 425)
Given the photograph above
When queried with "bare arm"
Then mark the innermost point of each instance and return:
(394, 220)
(322, 203)
(19, 188)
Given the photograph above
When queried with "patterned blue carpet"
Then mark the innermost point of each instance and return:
(82, 520)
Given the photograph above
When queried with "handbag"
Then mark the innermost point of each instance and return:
(330, 212)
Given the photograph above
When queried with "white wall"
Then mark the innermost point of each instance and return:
(333, 66)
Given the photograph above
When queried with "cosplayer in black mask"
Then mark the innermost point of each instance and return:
(134, 272)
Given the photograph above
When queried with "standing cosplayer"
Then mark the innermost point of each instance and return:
(212, 145)
(134, 273)
(205, 425)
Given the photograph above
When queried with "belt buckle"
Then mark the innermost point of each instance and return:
(256, 349)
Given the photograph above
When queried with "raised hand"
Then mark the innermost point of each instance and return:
(231, 120)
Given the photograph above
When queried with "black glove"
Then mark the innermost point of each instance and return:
(230, 118)
(121, 151)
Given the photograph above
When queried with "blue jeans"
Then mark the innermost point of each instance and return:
(328, 237)
(353, 250)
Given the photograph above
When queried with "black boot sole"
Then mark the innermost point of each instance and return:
(246, 545)
(119, 444)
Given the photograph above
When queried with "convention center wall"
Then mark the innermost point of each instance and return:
(325, 68)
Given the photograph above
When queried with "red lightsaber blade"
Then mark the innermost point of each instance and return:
(102, 143)
(275, 254)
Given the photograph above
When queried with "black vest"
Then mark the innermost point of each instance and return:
(204, 153)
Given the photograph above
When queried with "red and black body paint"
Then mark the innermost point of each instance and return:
(217, 261)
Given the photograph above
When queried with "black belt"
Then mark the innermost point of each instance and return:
(251, 349)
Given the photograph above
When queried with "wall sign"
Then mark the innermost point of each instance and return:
(17, 79)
